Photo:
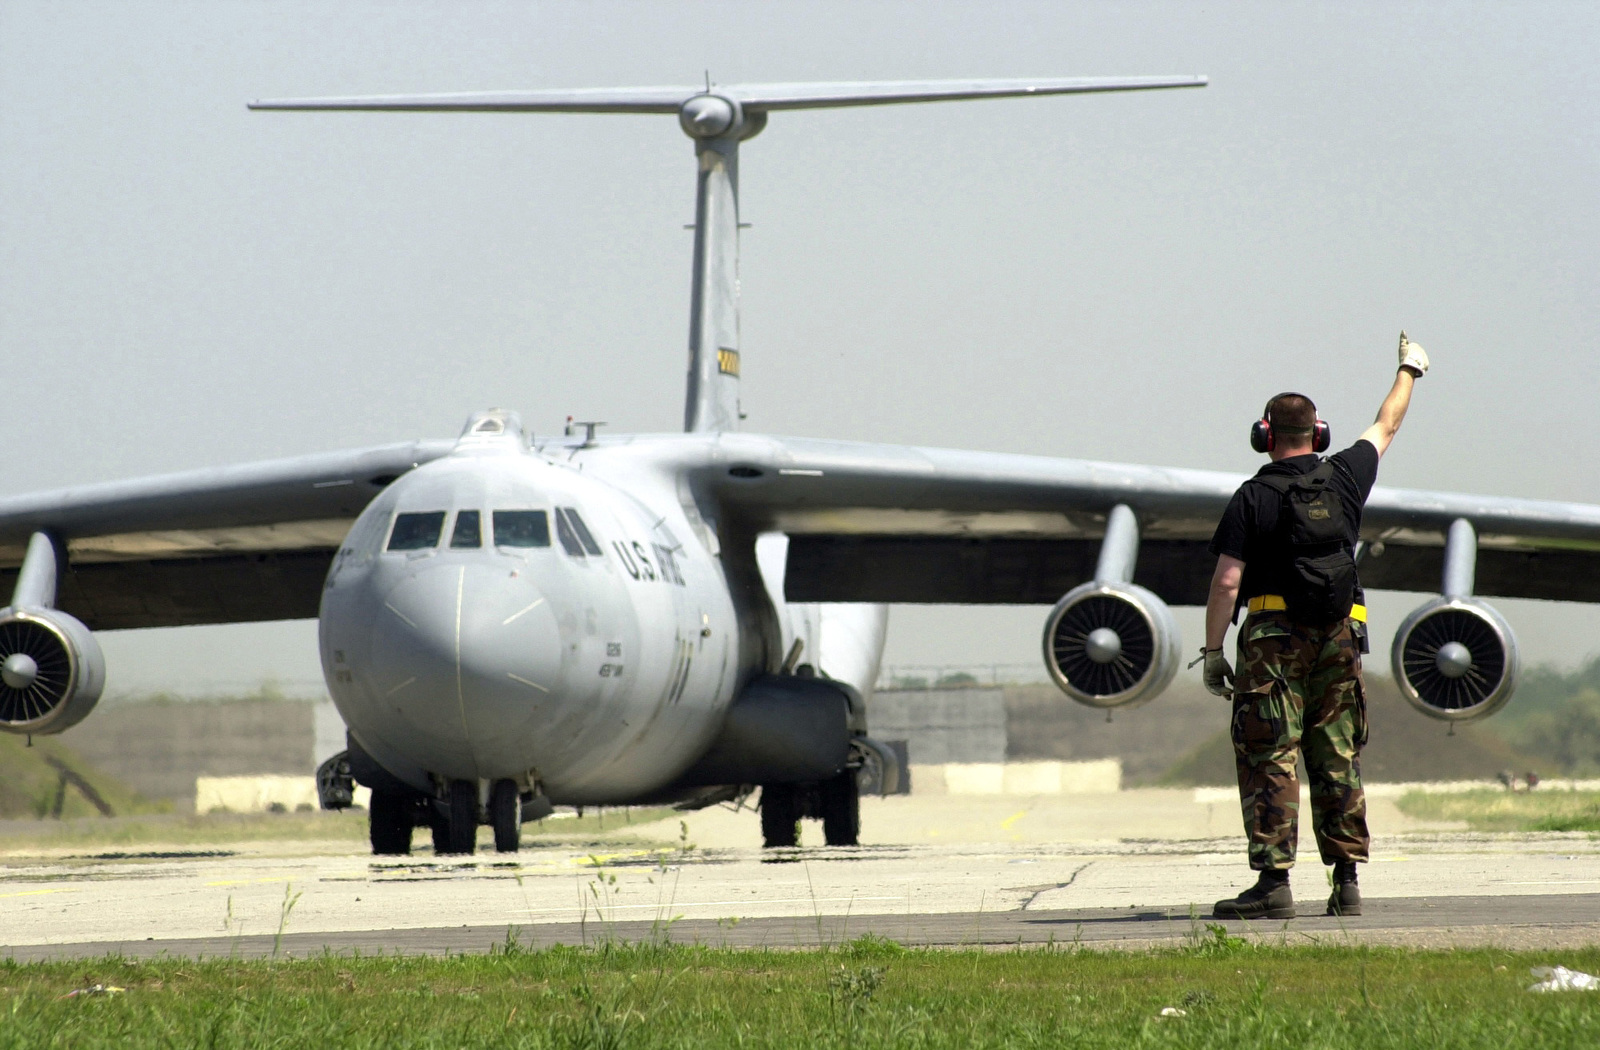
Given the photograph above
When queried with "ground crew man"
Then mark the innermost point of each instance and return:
(1286, 553)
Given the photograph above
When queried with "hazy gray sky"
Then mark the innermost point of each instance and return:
(185, 283)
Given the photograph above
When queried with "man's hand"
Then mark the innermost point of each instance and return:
(1218, 674)
(1413, 358)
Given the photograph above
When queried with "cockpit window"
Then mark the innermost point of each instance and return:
(585, 537)
(564, 533)
(521, 528)
(416, 532)
(468, 531)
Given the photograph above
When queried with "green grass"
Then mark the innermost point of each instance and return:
(1499, 810)
(868, 994)
(346, 828)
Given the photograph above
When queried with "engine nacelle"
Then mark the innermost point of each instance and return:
(1455, 659)
(51, 671)
(1111, 644)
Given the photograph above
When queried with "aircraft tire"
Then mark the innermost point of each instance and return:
(440, 826)
(841, 809)
(389, 821)
(462, 825)
(780, 815)
(505, 814)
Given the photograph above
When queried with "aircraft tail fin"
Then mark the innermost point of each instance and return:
(718, 118)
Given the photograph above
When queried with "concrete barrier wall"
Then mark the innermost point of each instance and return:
(942, 725)
(159, 748)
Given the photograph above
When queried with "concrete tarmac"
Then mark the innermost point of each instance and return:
(952, 870)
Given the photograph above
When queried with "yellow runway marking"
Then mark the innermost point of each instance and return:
(1018, 815)
(32, 893)
(593, 859)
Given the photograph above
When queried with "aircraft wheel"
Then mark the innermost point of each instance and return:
(505, 813)
(461, 835)
(439, 824)
(780, 815)
(841, 809)
(389, 821)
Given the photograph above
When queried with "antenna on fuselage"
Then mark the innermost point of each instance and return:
(718, 120)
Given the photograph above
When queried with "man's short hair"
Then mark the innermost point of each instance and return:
(1292, 415)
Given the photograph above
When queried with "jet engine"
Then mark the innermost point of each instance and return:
(51, 671)
(1455, 659)
(1111, 644)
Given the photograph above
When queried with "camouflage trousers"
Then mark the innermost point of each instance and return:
(1298, 690)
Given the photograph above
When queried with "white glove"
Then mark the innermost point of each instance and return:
(1412, 357)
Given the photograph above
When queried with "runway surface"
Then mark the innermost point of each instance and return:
(1426, 886)
(1549, 921)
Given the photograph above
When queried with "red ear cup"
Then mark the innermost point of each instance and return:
(1261, 436)
(1321, 437)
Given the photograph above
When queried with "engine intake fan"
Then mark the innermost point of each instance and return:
(51, 671)
(1455, 659)
(1111, 644)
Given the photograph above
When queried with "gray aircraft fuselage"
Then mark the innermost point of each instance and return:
(596, 670)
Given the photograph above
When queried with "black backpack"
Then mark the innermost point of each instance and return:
(1319, 580)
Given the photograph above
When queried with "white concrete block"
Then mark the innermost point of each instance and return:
(257, 794)
(975, 778)
(1103, 776)
(1100, 777)
(929, 780)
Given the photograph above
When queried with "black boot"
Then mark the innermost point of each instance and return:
(1269, 898)
(1346, 896)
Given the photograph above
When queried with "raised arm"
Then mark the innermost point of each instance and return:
(1413, 363)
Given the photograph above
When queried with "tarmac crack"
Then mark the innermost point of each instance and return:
(1052, 887)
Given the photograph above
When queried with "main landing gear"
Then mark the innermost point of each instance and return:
(453, 819)
(835, 801)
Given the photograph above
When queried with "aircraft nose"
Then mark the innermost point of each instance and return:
(468, 655)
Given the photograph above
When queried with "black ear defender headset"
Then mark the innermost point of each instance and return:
(1262, 439)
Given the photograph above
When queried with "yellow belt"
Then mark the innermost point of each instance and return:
(1275, 603)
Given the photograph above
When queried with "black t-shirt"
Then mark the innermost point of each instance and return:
(1249, 527)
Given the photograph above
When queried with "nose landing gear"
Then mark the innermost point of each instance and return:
(835, 801)
(455, 823)
(505, 815)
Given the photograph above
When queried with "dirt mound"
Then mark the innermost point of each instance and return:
(49, 780)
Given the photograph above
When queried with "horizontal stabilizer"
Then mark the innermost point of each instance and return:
(753, 97)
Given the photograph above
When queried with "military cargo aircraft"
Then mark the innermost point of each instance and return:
(509, 623)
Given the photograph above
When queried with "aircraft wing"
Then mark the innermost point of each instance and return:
(886, 523)
(224, 545)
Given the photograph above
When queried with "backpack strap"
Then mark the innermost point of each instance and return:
(1278, 483)
(1282, 483)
